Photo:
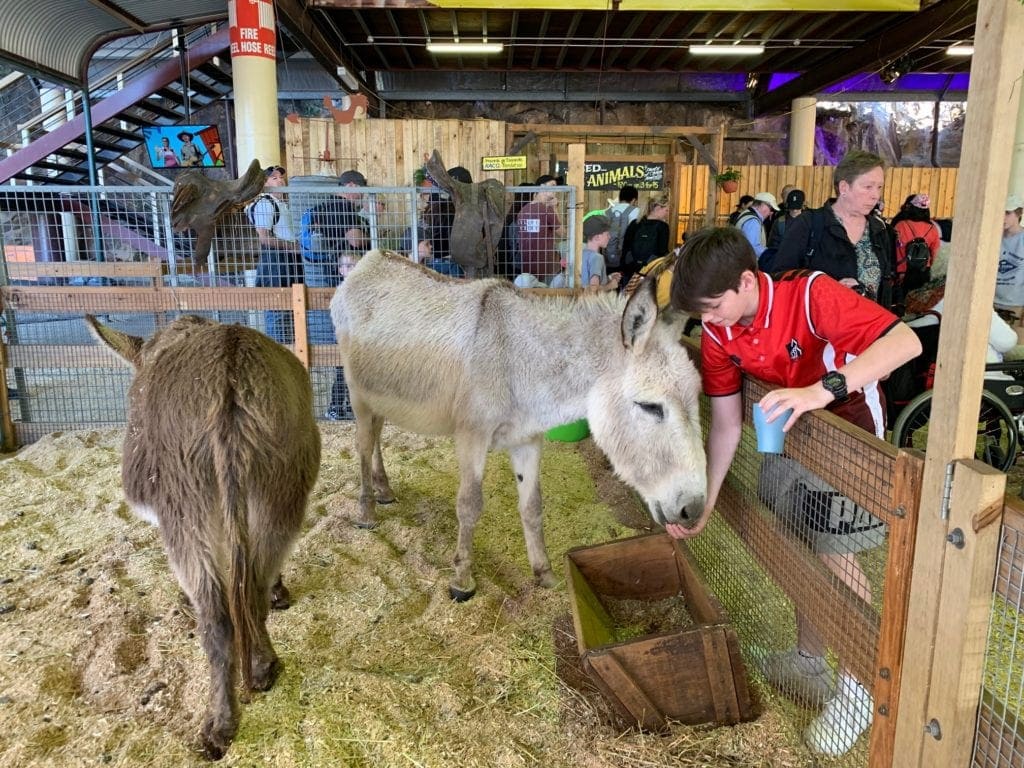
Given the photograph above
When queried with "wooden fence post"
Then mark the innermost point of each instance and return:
(6, 420)
(299, 306)
(575, 178)
(976, 506)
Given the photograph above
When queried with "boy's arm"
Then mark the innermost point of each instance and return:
(723, 437)
(887, 353)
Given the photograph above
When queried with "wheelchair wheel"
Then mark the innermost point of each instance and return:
(996, 442)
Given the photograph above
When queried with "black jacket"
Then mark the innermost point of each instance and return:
(834, 254)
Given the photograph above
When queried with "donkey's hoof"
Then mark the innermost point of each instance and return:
(545, 579)
(460, 595)
(264, 674)
(216, 740)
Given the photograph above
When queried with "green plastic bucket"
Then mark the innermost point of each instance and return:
(572, 432)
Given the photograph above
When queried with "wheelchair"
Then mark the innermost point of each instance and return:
(1000, 418)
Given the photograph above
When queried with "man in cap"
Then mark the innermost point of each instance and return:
(792, 207)
(334, 237)
(280, 264)
(751, 221)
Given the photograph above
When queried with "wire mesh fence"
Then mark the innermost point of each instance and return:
(801, 554)
(999, 739)
(110, 251)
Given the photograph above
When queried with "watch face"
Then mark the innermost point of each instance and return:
(835, 383)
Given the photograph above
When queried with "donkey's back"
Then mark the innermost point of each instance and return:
(221, 451)
(421, 348)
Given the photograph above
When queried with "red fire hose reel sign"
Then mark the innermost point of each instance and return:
(251, 24)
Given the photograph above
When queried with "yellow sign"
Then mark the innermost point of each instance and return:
(505, 163)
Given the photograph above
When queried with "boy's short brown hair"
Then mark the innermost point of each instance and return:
(710, 264)
(855, 163)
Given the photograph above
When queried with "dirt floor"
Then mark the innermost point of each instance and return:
(100, 665)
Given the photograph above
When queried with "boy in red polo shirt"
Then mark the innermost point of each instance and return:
(826, 347)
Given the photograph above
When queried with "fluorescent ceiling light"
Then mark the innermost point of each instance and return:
(462, 48)
(709, 49)
(960, 50)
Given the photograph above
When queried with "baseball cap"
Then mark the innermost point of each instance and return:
(352, 177)
(526, 280)
(768, 198)
(795, 200)
(1013, 202)
(595, 225)
(459, 173)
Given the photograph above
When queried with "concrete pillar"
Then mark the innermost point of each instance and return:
(1017, 160)
(51, 103)
(254, 77)
(801, 131)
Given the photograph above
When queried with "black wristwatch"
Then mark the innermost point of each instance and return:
(835, 382)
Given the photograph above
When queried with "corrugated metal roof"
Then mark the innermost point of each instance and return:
(56, 37)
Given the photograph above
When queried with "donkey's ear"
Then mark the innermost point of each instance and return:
(640, 315)
(127, 347)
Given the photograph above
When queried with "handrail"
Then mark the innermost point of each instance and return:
(152, 53)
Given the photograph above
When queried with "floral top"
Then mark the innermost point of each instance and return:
(869, 271)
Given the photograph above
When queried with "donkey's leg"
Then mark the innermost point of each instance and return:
(472, 456)
(277, 517)
(366, 441)
(381, 484)
(526, 465)
(205, 590)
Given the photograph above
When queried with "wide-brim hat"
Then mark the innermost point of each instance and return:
(768, 199)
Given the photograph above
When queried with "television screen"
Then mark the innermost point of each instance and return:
(183, 146)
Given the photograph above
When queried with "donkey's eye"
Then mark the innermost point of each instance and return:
(654, 409)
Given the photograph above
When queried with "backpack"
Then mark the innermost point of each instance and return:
(645, 243)
(619, 218)
(309, 239)
(913, 261)
(811, 508)
(250, 209)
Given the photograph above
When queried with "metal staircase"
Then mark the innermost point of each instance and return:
(147, 91)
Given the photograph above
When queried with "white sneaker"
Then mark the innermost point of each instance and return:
(805, 679)
(845, 717)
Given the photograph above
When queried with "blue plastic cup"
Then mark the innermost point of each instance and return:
(770, 437)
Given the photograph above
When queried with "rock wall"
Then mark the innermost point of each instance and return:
(902, 133)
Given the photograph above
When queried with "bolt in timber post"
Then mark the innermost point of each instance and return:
(934, 729)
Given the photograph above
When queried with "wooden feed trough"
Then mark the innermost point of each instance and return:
(690, 674)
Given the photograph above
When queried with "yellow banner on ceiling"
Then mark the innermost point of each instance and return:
(739, 6)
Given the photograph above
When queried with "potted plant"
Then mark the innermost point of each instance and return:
(421, 178)
(728, 179)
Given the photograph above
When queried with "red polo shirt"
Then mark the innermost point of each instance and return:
(806, 324)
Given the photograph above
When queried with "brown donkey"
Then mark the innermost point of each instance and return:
(220, 452)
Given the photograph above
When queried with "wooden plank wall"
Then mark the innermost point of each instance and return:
(816, 182)
(388, 152)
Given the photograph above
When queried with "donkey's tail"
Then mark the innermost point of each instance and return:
(231, 459)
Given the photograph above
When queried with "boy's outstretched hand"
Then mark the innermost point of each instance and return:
(679, 531)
